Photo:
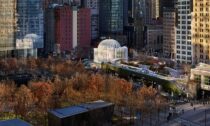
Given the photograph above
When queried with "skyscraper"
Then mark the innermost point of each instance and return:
(94, 6)
(151, 10)
(66, 27)
(50, 35)
(183, 32)
(139, 17)
(63, 28)
(169, 32)
(111, 17)
(84, 27)
(30, 27)
(201, 31)
(154, 38)
(154, 8)
(166, 4)
(7, 27)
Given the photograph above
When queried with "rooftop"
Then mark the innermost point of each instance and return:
(109, 43)
(14, 122)
(95, 105)
(69, 111)
(202, 67)
(82, 108)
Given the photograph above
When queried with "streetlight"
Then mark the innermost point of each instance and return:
(205, 116)
(203, 93)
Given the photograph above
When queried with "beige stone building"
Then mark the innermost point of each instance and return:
(155, 9)
(201, 76)
(201, 31)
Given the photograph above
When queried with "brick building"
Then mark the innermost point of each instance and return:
(67, 27)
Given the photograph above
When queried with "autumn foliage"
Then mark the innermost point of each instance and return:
(71, 84)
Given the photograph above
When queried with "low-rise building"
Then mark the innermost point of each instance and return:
(201, 76)
(98, 113)
(14, 122)
(109, 50)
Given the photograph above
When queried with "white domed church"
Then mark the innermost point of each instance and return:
(109, 50)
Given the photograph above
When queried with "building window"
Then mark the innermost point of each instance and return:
(197, 79)
(206, 80)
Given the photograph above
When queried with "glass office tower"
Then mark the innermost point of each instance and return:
(111, 16)
(29, 36)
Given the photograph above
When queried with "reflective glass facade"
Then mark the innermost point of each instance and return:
(111, 16)
(30, 23)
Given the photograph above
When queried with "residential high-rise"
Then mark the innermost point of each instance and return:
(183, 32)
(63, 26)
(111, 17)
(169, 32)
(66, 27)
(84, 27)
(201, 31)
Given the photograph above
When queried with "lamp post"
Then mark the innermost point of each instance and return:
(203, 93)
(205, 116)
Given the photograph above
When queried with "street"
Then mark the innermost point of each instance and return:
(198, 117)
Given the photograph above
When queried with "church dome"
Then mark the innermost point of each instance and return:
(109, 43)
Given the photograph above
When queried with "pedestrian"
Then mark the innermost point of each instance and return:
(194, 108)
(182, 111)
(191, 104)
(168, 118)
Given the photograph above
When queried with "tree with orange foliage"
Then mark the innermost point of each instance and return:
(96, 83)
(7, 92)
(147, 96)
(4, 67)
(72, 95)
(149, 101)
(80, 82)
(31, 63)
(119, 90)
(42, 95)
(23, 101)
(59, 87)
(12, 62)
